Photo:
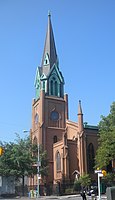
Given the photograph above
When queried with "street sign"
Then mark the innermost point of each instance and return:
(98, 171)
(100, 175)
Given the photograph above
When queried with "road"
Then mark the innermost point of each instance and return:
(69, 197)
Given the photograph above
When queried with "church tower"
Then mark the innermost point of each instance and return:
(50, 106)
(70, 146)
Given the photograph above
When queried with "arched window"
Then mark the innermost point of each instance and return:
(90, 158)
(36, 118)
(58, 162)
(55, 139)
(46, 59)
(56, 88)
(51, 87)
(61, 90)
(44, 85)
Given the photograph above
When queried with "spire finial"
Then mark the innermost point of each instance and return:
(79, 108)
(49, 13)
(80, 117)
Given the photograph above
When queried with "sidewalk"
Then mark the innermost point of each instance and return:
(54, 197)
(103, 197)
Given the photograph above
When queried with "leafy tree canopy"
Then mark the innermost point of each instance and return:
(85, 180)
(19, 158)
(106, 150)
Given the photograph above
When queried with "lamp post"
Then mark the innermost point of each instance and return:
(38, 165)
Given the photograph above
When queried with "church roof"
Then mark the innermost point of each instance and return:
(86, 126)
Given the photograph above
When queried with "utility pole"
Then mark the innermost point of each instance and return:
(99, 193)
(38, 171)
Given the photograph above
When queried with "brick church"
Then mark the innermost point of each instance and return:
(71, 146)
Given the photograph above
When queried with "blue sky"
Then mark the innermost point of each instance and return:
(84, 32)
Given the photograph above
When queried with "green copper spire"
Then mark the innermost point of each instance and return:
(48, 76)
(49, 54)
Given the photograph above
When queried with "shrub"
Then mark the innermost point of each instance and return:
(77, 186)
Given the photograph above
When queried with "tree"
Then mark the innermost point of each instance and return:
(106, 151)
(109, 179)
(19, 158)
(77, 185)
(44, 163)
(85, 180)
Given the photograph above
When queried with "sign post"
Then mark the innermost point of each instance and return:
(99, 172)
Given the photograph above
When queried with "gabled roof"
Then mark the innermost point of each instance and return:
(55, 70)
(37, 77)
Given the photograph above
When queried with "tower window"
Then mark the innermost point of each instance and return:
(46, 59)
(36, 118)
(56, 88)
(51, 87)
(43, 84)
(61, 90)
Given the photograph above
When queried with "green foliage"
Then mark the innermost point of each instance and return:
(19, 157)
(44, 163)
(85, 180)
(109, 179)
(106, 150)
(77, 185)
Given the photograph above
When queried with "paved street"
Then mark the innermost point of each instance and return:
(71, 197)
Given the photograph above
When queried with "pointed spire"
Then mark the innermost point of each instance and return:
(49, 54)
(80, 117)
(79, 108)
